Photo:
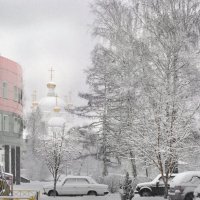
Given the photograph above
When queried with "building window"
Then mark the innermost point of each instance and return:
(17, 125)
(0, 122)
(19, 95)
(6, 123)
(15, 93)
(5, 90)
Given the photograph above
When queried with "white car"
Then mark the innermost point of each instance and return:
(183, 185)
(77, 185)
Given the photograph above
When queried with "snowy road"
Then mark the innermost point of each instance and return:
(108, 197)
(38, 186)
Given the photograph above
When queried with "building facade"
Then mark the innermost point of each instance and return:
(11, 113)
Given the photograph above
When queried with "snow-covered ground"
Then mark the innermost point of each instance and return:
(36, 185)
(108, 197)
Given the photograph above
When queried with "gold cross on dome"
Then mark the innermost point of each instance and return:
(56, 99)
(51, 73)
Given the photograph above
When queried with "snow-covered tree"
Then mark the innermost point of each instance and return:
(34, 128)
(127, 188)
(117, 25)
(169, 82)
(56, 149)
(110, 99)
(98, 107)
(161, 61)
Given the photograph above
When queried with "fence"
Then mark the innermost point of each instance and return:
(22, 194)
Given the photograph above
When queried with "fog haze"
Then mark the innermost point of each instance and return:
(49, 33)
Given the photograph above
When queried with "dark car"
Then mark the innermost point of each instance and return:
(153, 188)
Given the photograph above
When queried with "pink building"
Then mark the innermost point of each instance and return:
(11, 113)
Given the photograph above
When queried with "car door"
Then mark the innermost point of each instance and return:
(83, 186)
(160, 187)
(69, 186)
(155, 185)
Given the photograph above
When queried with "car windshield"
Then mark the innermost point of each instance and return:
(184, 177)
(195, 180)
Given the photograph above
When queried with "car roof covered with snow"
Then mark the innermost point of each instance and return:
(183, 177)
(77, 176)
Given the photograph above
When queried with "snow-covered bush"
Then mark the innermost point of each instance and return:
(127, 191)
(113, 181)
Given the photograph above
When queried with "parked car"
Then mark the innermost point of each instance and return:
(183, 185)
(77, 185)
(153, 188)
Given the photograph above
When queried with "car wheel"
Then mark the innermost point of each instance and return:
(52, 193)
(92, 193)
(189, 196)
(146, 193)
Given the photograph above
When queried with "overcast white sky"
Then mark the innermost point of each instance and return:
(40, 34)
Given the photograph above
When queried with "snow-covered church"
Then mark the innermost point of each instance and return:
(47, 114)
(52, 107)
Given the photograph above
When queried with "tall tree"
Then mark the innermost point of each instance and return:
(169, 82)
(161, 57)
(117, 25)
(98, 106)
(34, 129)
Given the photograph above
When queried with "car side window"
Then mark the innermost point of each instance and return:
(169, 179)
(70, 181)
(195, 180)
(82, 181)
(160, 180)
